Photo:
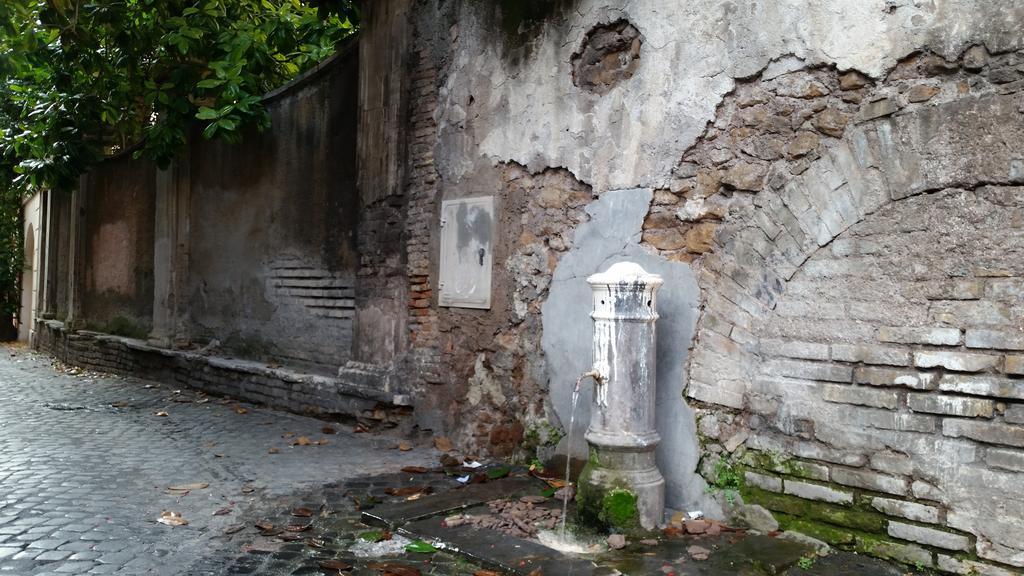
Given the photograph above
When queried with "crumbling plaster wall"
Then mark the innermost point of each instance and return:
(510, 97)
(506, 97)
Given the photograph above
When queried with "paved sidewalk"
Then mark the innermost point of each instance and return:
(86, 461)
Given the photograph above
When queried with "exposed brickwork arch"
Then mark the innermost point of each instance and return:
(801, 168)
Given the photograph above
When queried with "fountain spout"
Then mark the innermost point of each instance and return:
(593, 374)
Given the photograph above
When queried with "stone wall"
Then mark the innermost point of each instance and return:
(357, 395)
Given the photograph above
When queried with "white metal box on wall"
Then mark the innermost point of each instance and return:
(467, 233)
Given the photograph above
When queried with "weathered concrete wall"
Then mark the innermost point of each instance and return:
(117, 251)
(272, 251)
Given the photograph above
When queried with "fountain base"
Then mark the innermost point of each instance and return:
(621, 491)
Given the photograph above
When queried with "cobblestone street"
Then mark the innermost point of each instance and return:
(86, 463)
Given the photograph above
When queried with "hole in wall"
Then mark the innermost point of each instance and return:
(610, 54)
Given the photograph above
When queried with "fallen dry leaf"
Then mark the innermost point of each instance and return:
(415, 470)
(222, 511)
(287, 434)
(302, 441)
(394, 569)
(171, 518)
(360, 428)
(404, 446)
(336, 565)
(315, 543)
(328, 430)
(409, 490)
(555, 482)
(234, 528)
(298, 527)
(160, 413)
(302, 512)
(290, 537)
(248, 489)
(443, 444)
(120, 404)
(273, 451)
(240, 410)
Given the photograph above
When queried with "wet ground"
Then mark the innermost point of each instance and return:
(90, 464)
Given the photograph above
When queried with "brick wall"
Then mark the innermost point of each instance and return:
(422, 216)
(857, 357)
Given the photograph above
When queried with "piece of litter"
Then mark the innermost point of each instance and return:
(695, 515)
(464, 479)
(473, 464)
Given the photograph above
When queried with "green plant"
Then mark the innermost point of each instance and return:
(805, 562)
(727, 480)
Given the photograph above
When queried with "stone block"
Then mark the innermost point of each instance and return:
(817, 492)
(971, 313)
(908, 510)
(892, 420)
(929, 536)
(951, 405)
(996, 339)
(763, 481)
(1005, 459)
(921, 93)
(808, 370)
(1005, 289)
(744, 176)
(871, 354)
(877, 109)
(990, 432)
(815, 451)
(1014, 414)
(892, 463)
(982, 385)
(891, 377)
(795, 349)
(952, 289)
(860, 395)
(1014, 365)
(957, 361)
(937, 336)
(731, 396)
(970, 567)
(906, 553)
(871, 481)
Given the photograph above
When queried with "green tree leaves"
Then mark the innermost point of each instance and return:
(88, 78)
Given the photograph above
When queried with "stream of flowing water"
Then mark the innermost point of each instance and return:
(568, 459)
